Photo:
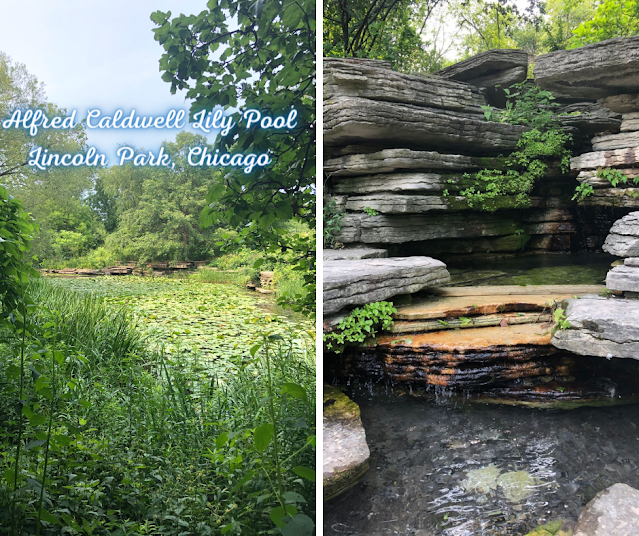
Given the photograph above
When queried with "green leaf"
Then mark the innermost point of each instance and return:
(300, 525)
(304, 472)
(263, 435)
(294, 390)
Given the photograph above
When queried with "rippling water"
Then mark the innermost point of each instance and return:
(442, 465)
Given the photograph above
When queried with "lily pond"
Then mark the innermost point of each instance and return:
(446, 466)
(212, 325)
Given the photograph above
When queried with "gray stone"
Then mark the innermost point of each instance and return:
(397, 204)
(591, 72)
(356, 120)
(354, 254)
(398, 229)
(391, 160)
(623, 278)
(343, 78)
(622, 140)
(602, 327)
(492, 62)
(604, 159)
(625, 103)
(613, 512)
(631, 261)
(623, 239)
(589, 117)
(357, 282)
(395, 183)
(345, 451)
(630, 122)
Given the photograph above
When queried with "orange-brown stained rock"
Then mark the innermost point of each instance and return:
(454, 307)
(474, 340)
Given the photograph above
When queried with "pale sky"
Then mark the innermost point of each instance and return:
(92, 54)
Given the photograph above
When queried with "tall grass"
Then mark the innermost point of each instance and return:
(136, 443)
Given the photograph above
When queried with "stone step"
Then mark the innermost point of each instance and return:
(528, 290)
(506, 319)
(474, 340)
(440, 307)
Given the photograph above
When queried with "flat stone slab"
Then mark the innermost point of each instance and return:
(622, 140)
(528, 290)
(453, 307)
(623, 278)
(589, 117)
(392, 160)
(473, 339)
(625, 103)
(483, 321)
(428, 183)
(351, 254)
(613, 512)
(345, 451)
(488, 63)
(616, 158)
(591, 177)
(602, 327)
(357, 120)
(623, 240)
(357, 282)
(400, 228)
(591, 72)
(344, 78)
(613, 197)
(397, 203)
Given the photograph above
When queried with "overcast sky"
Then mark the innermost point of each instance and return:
(93, 54)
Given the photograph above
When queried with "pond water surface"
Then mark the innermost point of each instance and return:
(443, 465)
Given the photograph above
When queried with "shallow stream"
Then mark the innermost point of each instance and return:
(444, 465)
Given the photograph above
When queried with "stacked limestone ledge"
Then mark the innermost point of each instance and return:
(607, 326)
(609, 72)
(398, 143)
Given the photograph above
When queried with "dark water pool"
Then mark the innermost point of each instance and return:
(572, 269)
(446, 466)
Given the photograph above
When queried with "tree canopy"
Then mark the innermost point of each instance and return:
(259, 56)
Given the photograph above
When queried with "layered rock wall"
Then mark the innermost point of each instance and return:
(400, 148)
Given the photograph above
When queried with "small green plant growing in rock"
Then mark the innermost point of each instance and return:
(615, 176)
(510, 187)
(332, 222)
(560, 320)
(363, 322)
(582, 191)
(371, 211)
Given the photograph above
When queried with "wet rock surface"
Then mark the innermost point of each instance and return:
(426, 454)
(603, 327)
(348, 283)
(345, 452)
(613, 512)
(591, 72)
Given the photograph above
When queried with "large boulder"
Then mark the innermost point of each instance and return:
(345, 451)
(348, 283)
(345, 78)
(623, 240)
(591, 72)
(358, 120)
(602, 327)
(613, 512)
